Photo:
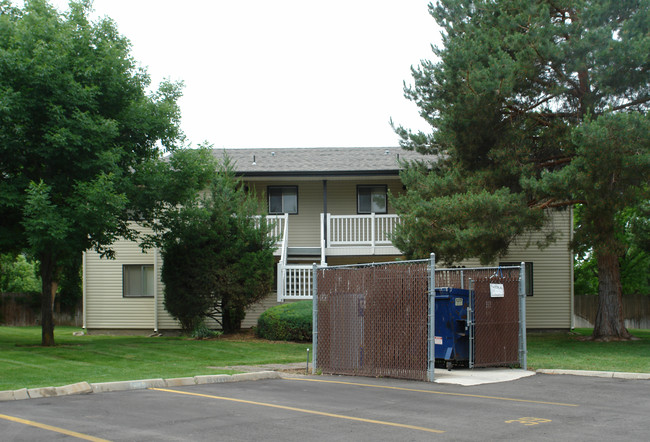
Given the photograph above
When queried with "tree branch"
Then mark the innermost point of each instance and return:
(553, 162)
(552, 202)
(632, 103)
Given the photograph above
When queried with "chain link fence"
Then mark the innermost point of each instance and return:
(496, 322)
(378, 319)
(373, 320)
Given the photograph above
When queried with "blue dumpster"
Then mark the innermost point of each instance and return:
(452, 326)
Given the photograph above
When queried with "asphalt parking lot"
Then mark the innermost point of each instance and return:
(540, 407)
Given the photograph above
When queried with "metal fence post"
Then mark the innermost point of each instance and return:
(522, 317)
(314, 333)
(470, 322)
(431, 344)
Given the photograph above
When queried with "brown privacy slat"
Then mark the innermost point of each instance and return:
(496, 321)
(373, 320)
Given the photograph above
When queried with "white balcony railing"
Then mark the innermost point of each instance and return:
(360, 230)
(278, 224)
(295, 281)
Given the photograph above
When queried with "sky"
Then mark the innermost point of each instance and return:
(282, 73)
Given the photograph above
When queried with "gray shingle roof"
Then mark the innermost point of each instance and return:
(318, 161)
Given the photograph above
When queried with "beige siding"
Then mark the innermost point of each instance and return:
(106, 307)
(255, 310)
(550, 305)
(342, 195)
(304, 228)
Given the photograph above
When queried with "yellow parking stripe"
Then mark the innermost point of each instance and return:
(434, 392)
(302, 410)
(51, 428)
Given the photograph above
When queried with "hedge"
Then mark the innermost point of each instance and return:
(287, 322)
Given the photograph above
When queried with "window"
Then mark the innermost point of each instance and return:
(283, 199)
(529, 274)
(137, 281)
(371, 199)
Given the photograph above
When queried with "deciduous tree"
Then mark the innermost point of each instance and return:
(81, 139)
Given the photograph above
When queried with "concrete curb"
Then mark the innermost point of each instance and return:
(600, 374)
(128, 385)
(103, 387)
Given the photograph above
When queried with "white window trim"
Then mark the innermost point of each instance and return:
(372, 187)
(143, 280)
(268, 191)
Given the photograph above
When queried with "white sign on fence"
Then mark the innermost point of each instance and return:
(496, 290)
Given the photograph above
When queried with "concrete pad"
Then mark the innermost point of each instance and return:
(179, 382)
(35, 393)
(478, 376)
(212, 378)
(78, 388)
(128, 385)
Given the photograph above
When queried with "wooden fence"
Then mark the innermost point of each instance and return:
(636, 310)
(23, 309)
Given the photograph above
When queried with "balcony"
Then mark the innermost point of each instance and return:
(359, 234)
(340, 235)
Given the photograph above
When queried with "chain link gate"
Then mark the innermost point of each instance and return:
(379, 319)
(372, 320)
(496, 332)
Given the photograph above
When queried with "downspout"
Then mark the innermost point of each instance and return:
(155, 290)
(84, 287)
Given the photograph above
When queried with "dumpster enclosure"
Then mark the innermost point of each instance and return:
(399, 319)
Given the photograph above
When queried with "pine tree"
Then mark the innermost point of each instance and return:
(535, 106)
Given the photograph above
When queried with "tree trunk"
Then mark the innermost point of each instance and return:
(47, 322)
(231, 316)
(610, 323)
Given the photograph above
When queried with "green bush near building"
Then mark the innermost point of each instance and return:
(287, 322)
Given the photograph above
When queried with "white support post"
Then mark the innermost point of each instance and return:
(281, 277)
(323, 242)
(372, 230)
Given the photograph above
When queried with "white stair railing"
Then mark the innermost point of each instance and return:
(281, 229)
(297, 281)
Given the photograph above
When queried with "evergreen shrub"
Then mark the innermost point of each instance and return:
(201, 331)
(287, 322)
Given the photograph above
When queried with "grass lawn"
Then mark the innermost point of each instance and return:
(24, 363)
(572, 352)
